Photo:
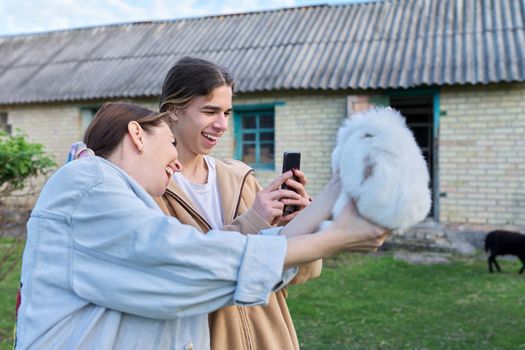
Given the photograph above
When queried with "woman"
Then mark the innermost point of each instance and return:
(212, 194)
(104, 268)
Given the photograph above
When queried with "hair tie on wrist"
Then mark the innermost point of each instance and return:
(79, 150)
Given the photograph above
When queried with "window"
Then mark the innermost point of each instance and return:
(255, 136)
(87, 115)
(4, 125)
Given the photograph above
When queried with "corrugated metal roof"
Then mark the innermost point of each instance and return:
(376, 45)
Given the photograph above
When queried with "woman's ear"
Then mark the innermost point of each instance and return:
(136, 132)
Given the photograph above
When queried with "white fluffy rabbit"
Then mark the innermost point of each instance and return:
(382, 169)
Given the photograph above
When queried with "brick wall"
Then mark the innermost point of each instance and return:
(482, 155)
(304, 122)
(55, 126)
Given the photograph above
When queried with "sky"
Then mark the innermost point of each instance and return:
(33, 16)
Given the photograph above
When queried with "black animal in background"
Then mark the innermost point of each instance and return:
(502, 243)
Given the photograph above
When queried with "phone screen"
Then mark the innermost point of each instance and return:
(291, 160)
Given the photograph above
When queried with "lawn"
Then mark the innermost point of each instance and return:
(8, 290)
(376, 302)
(365, 302)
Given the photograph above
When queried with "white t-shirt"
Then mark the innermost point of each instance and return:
(205, 196)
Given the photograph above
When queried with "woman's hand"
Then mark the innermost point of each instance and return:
(349, 231)
(269, 202)
(357, 234)
(299, 187)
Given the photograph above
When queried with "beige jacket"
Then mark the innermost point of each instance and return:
(234, 327)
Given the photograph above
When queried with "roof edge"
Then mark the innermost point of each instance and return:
(174, 20)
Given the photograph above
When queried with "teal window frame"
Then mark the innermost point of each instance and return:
(253, 111)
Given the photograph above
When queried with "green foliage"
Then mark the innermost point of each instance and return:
(8, 291)
(20, 160)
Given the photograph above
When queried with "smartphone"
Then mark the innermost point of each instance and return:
(291, 160)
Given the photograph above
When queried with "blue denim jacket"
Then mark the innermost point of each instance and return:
(104, 268)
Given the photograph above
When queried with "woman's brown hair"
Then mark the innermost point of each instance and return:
(110, 125)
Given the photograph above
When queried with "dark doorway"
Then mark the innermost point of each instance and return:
(419, 113)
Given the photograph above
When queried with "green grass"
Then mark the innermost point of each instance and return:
(365, 302)
(8, 290)
(371, 302)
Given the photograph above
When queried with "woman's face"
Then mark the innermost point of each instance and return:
(159, 158)
(200, 125)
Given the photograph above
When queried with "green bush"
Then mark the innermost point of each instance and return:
(20, 160)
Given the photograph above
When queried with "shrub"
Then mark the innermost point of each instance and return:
(20, 160)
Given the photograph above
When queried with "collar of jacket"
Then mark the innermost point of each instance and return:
(231, 177)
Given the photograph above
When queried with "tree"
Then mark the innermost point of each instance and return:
(20, 162)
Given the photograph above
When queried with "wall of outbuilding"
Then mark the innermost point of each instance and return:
(481, 152)
(305, 122)
(482, 155)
